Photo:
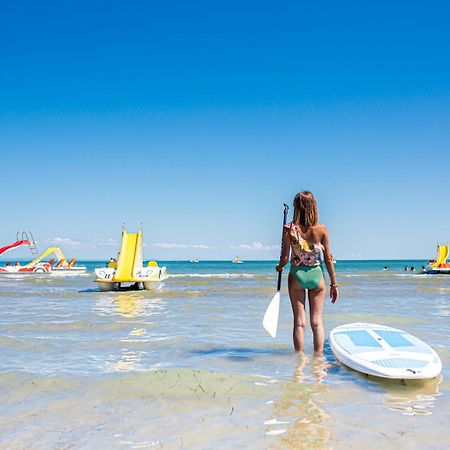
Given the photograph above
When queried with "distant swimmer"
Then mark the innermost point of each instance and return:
(405, 268)
(412, 269)
(385, 268)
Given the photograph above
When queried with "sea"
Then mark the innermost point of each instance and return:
(190, 366)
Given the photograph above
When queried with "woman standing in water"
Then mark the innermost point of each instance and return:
(304, 239)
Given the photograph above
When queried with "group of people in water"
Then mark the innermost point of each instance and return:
(406, 269)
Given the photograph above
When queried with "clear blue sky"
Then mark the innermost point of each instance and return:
(200, 119)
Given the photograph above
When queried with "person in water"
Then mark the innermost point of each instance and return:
(112, 263)
(304, 239)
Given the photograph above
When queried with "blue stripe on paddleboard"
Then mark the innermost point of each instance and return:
(400, 363)
(403, 342)
(361, 338)
(358, 341)
(394, 338)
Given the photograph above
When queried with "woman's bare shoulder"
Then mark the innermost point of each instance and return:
(321, 229)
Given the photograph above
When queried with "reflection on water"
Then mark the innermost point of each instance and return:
(129, 305)
(298, 417)
(411, 397)
(129, 360)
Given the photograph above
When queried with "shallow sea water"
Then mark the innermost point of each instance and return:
(190, 366)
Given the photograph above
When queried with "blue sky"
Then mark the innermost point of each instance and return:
(200, 119)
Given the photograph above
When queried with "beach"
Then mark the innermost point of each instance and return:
(190, 366)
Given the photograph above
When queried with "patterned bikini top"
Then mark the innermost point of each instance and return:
(302, 252)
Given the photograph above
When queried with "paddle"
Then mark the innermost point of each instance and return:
(270, 320)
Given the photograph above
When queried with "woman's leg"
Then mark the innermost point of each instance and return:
(297, 296)
(316, 298)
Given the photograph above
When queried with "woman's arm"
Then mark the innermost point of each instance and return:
(285, 249)
(328, 257)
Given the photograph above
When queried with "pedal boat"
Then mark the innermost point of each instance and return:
(128, 272)
(38, 265)
(24, 239)
(439, 265)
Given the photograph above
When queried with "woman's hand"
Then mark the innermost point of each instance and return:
(279, 268)
(334, 294)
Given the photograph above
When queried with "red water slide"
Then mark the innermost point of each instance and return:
(16, 244)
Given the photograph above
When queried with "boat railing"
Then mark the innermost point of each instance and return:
(28, 236)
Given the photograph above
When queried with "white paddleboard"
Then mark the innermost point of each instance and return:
(384, 352)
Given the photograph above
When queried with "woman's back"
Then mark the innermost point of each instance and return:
(306, 244)
(312, 234)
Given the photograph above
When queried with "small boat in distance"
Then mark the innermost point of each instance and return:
(195, 261)
(237, 260)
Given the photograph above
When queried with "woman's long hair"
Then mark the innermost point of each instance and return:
(305, 209)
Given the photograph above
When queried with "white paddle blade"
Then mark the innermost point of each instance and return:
(270, 320)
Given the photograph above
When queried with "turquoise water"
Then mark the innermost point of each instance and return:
(190, 366)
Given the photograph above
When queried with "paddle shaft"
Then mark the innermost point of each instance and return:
(285, 213)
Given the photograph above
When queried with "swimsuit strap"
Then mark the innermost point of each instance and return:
(301, 240)
(305, 245)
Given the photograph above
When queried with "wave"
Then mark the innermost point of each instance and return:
(406, 275)
(212, 275)
(71, 274)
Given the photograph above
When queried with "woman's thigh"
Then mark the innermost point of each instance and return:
(297, 296)
(316, 299)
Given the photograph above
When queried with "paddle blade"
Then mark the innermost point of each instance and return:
(270, 320)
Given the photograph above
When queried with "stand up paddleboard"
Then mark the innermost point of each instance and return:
(384, 352)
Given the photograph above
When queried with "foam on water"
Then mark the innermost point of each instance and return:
(212, 275)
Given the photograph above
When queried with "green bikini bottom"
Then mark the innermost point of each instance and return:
(309, 277)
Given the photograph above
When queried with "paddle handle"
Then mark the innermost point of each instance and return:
(285, 213)
(279, 280)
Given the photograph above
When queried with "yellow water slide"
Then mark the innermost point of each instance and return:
(57, 252)
(130, 256)
(442, 255)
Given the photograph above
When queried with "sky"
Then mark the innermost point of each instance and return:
(200, 119)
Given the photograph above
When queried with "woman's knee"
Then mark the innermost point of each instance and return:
(316, 322)
(299, 323)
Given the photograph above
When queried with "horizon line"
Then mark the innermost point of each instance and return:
(227, 260)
